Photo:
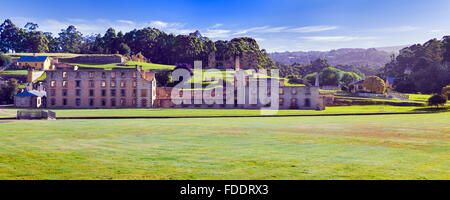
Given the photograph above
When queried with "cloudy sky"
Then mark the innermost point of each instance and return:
(277, 25)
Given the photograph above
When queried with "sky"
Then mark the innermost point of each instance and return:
(277, 25)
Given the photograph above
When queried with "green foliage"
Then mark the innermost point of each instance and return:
(437, 100)
(163, 78)
(294, 79)
(421, 68)
(349, 77)
(8, 90)
(70, 40)
(446, 92)
(311, 78)
(330, 76)
(154, 44)
(375, 84)
(124, 49)
(5, 60)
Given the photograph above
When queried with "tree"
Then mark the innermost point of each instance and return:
(5, 60)
(8, 90)
(108, 41)
(163, 78)
(294, 79)
(437, 100)
(446, 92)
(9, 36)
(374, 84)
(70, 39)
(311, 78)
(35, 42)
(124, 49)
(349, 77)
(330, 76)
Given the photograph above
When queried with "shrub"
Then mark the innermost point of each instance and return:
(374, 84)
(446, 92)
(5, 60)
(437, 100)
(294, 79)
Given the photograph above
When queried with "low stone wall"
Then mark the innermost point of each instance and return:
(348, 102)
(94, 59)
(36, 114)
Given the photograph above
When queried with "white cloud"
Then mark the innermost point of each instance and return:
(312, 29)
(217, 25)
(125, 21)
(336, 38)
(159, 24)
(262, 29)
(217, 33)
(397, 29)
(436, 31)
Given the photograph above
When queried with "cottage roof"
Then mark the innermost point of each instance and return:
(357, 82)
(32, 58)
(32, 93)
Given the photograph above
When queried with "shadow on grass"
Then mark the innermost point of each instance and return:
(433, 109)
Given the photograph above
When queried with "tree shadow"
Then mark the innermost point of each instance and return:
(433, 109)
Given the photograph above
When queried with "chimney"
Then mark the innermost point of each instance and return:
(237, 64)
(30, 75)
(317, 80)
(41, 86)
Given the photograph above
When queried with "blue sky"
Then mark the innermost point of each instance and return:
(277, 25)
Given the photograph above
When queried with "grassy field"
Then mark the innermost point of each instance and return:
(224, 112)
(14, 72)
(419, 97)
(344, 147)
(129, 64)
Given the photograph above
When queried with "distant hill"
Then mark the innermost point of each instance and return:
(347, 56)
(392, 49)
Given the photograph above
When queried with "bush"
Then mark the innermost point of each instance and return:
(294, 79)
(163, 78)
(375, 84)
(124, 49)
(5, 60)
(446, 92)
(437, 100)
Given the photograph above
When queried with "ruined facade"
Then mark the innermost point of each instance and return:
(73, 87)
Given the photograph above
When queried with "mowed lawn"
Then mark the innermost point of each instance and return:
(224, 112)
(338, 147)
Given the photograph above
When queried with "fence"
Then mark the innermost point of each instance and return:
(36, 114)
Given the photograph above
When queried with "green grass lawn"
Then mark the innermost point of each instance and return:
(129, 64)
(224, 112)
(419, 97)
(344, 147)
(14, 72)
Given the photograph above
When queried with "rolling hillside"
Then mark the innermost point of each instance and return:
(347, 56)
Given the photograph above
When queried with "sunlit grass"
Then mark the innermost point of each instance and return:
(362, 147)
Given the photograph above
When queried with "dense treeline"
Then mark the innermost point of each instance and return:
(301, 70)
(421, 68)
(154, 44)
(328, 75)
